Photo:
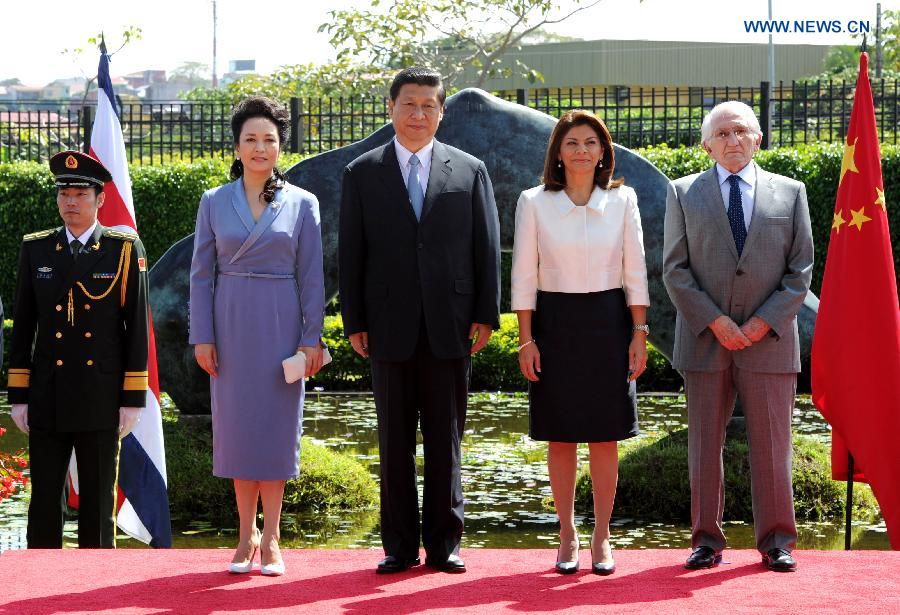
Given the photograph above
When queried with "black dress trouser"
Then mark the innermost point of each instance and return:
(97, 453)
(430, 392)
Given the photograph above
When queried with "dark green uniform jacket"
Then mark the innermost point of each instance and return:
(80, 337)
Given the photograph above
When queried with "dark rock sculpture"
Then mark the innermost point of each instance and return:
(511, 140)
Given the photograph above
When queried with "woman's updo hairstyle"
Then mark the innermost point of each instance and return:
(261, 106)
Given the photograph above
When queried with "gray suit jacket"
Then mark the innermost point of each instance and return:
(705, 278)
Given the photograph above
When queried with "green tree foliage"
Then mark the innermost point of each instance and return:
(191, 71)
(340, 78)
(87, 63)
(842, 62)
(472, 35)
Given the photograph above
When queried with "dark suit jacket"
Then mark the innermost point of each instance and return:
(394, 268)
(80, 335)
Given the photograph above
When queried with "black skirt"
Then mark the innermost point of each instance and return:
(583, 393)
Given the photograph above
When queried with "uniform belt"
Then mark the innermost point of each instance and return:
(251, 274)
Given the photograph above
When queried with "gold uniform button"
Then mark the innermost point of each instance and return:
(87, 333)
(58, 335)
(59, 363)
(59, 308)
(87, 306)
(89, 362)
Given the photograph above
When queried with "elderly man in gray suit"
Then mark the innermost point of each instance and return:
(737, 262)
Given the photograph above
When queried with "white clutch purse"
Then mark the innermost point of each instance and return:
(295, 365)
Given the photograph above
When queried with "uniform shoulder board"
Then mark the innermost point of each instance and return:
(40, 234)
(119, 234)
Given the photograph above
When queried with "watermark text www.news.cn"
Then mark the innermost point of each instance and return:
(807, 26)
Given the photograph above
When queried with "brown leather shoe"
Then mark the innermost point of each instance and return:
(703, 557)
(779, 560)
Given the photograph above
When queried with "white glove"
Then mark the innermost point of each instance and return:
(128, 420)
(20, 416)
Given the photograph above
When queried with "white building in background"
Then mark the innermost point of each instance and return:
(238, 69)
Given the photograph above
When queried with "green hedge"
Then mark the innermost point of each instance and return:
(818, 166)
(4, 360)
(166, 197)
(654, 483)
(328, 481)
(496, 368)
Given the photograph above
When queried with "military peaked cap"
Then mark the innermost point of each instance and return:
(73, 169)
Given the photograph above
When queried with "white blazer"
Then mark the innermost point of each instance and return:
(560, 247)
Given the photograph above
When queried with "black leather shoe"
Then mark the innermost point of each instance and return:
(453, 563)
(396, 564)
(703, 557)
(779, 560)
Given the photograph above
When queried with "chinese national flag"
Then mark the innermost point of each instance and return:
(856, 346)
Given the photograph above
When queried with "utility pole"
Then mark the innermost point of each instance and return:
(767, 104)
(878, 41)
(215, 74)
(771, 51)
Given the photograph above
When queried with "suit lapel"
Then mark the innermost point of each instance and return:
(711, 196)
(241, 206)
(393, 179)
(764, 196)
(265, 221)
(92, 253)
(437, 177)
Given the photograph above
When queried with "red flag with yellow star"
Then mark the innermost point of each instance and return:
(856, 345)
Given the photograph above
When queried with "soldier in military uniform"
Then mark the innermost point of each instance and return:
(78, 355)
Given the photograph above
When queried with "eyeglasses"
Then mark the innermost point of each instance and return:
(725, 135)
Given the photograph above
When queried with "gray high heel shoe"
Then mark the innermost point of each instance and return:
(569, 566)
(601, 568)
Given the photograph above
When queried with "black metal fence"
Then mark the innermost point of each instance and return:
(637, 116)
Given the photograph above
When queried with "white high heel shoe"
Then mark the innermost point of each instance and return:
(246, 566)
(271, 570)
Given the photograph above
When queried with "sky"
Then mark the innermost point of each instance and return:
(278, 32)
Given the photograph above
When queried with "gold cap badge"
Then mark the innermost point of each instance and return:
(71, 162)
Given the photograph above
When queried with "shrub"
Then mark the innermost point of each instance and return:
(495, 368)
(4, 360)
(328, 481)
(654, 482)
(817, 165)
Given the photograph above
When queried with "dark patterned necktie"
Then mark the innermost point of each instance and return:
(75, 246)
(736, 214)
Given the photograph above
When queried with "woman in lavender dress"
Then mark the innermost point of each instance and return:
(257, 297)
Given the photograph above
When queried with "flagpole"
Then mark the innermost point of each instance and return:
(849, 510)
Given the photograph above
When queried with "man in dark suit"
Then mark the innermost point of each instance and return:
(419, 259)
(737, 262)
(78, 355)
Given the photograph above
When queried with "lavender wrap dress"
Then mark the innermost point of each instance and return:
(257, 292)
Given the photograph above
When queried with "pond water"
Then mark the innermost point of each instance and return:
(504, 481)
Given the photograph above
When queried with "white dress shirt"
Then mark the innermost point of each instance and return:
(747, 186)
(561, 247)
(424, 155)
(83, 238)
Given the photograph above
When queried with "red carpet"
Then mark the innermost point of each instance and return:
(324, 581)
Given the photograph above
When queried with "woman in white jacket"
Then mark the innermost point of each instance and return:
(579, 289)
